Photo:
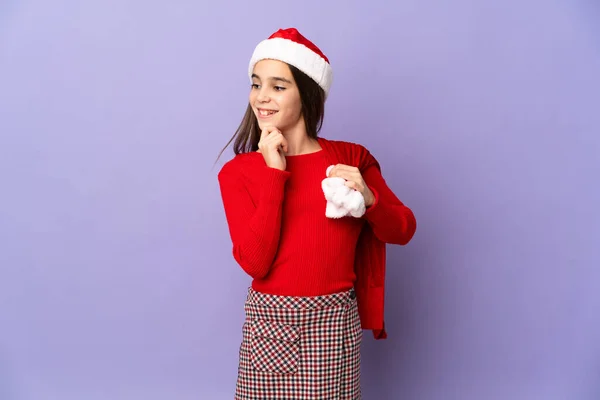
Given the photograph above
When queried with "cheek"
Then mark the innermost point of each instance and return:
(252, 100)
(293, 108)
(297, 106)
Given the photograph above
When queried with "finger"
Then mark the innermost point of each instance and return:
(276, 141)
(335, 171)
(275, 138)
(268, 134)
(264, 133)
(284, 144)
(267, 130)
(352, 185)
(345, 167)
(356, 186)
(274, 134)
(349, 175)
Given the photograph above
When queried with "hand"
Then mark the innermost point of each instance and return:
(354, 180)
(273, 146)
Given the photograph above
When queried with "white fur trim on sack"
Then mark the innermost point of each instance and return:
(341, 200)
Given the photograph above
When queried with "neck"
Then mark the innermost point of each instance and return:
(299, 143)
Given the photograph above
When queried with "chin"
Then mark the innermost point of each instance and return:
(264, 124)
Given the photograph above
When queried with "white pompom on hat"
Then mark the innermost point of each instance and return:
(289, 46)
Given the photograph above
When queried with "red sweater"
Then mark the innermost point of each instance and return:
(281, 236)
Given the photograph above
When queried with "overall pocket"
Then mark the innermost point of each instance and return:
(274, 347)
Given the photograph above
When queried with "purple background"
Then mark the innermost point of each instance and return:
(116, 275)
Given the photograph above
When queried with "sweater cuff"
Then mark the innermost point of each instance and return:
(373, 207)
(273, 184)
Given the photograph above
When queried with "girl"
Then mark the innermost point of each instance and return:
(309, 219)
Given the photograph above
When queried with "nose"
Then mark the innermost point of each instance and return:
(263, 96)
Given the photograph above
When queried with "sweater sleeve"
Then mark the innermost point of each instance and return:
(391, 221)
(254, 228)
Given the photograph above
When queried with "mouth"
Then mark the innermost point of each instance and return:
(264, 113)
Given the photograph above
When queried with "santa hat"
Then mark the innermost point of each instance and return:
(289, 46)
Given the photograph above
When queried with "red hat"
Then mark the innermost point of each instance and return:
(289, 46)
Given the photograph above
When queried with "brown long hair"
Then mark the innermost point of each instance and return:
(312, 97)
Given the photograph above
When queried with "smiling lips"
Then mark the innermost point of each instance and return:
(263, 113)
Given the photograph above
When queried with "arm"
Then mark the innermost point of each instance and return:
(254, 228)
(391, 221)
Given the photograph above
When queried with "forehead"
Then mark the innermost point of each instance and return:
(269, 68)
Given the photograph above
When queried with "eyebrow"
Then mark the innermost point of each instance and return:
(274, 78)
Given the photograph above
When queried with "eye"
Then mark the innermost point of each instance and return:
(255, 86)
(279, 88)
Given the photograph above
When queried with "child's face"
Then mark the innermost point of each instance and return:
(274, 96)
